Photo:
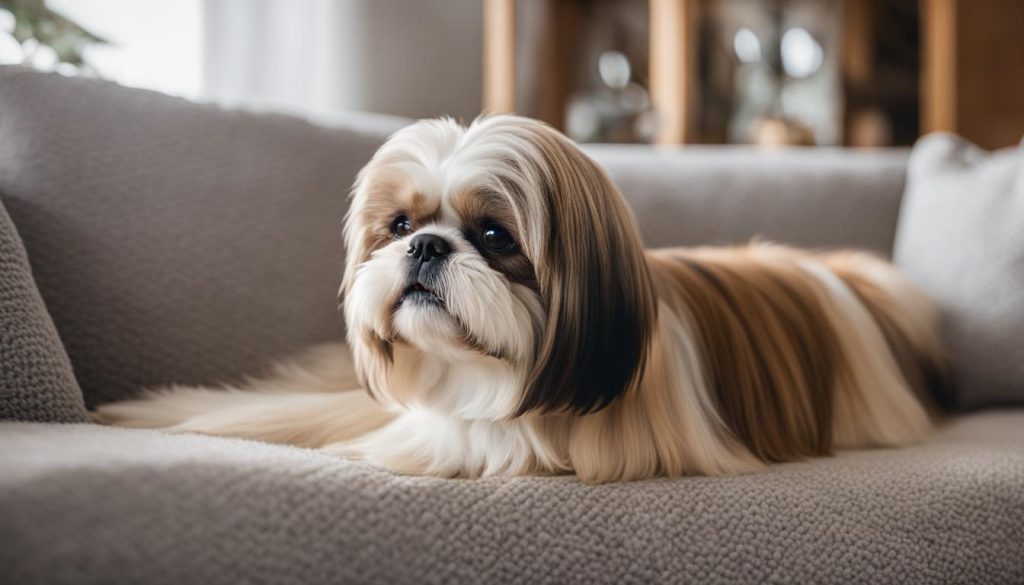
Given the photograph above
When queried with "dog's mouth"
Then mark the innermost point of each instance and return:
(420, 293)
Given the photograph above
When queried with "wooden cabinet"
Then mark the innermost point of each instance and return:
(973, 69)
(967, 67)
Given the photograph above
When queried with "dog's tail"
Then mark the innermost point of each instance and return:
(309, 402)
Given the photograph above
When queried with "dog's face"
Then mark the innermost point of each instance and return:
(492, 271)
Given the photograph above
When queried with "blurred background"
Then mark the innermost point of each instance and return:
(769, 72)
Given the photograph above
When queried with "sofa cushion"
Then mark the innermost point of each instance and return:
(961, 236)
(89, 504)
(174, 242)
(36, 381)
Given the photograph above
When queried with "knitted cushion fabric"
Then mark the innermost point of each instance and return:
(91, 504)
(36, 382)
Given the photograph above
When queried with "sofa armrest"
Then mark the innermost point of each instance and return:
(812, 197)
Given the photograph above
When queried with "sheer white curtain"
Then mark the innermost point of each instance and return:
(321, 57)
(303, 56)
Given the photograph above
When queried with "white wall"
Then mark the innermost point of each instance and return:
(427, 57)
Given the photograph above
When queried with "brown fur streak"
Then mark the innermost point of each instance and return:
(601, 309)
(768, 350)
(921, 361)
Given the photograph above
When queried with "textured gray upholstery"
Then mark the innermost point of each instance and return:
(962, 238)
(174, 242)
(88, 504)
(812, 197)
(36, 382)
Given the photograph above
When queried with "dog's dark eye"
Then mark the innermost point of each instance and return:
(401, 227)
(496, 239)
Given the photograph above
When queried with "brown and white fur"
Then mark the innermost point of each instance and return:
(575, 351)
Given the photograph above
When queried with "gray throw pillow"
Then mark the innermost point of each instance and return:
(961, 236)
(36, 382)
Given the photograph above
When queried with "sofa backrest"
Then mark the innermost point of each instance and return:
(809, 197)
(174, 242)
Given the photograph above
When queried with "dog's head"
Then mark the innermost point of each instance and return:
(494, 270)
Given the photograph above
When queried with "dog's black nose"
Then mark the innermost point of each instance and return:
(427, 247)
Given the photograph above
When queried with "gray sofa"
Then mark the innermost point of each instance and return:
(176, 242)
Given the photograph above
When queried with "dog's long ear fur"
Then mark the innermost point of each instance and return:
(372, 355)
(360, 242)
(594, 279)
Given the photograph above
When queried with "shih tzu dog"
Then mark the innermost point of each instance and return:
(504, 319)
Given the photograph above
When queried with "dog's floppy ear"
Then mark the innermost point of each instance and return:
(594, 280)
(370, 201)
(363, 208)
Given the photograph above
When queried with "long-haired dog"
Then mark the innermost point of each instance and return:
(504, 319)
